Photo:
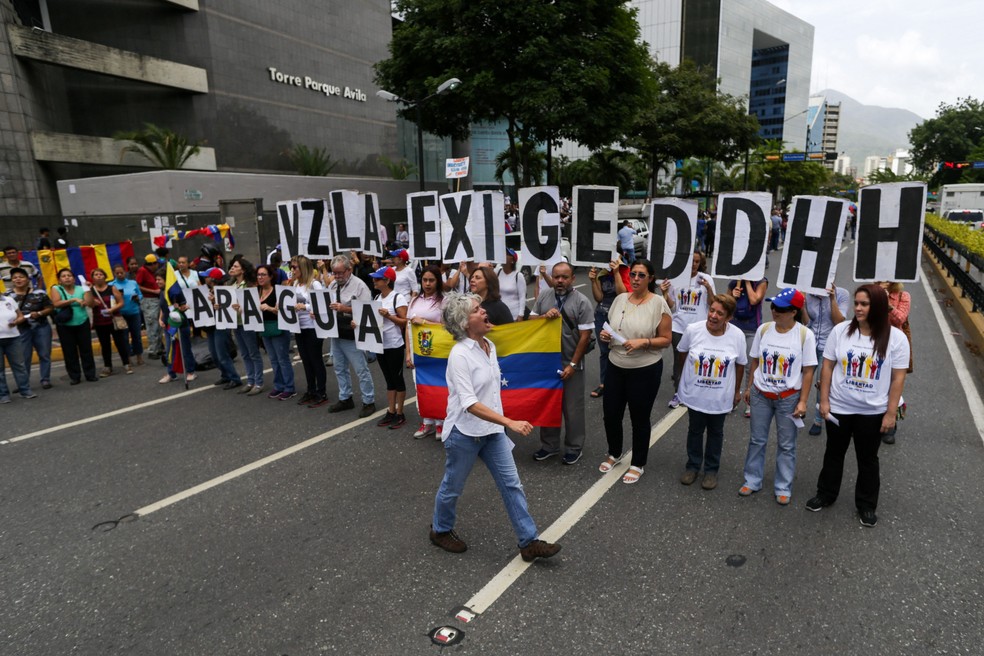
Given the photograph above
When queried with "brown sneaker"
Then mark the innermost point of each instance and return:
(688, 477)
(710, 481)
(448, 541)
(538, 549)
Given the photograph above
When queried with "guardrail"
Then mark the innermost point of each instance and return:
(969, 285)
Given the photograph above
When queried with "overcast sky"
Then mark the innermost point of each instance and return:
(912, 54)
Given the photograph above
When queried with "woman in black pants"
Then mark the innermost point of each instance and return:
(74, 332)
(864, 367)
(309, 345)
(641, 322)
(394, 314)
(106, 301)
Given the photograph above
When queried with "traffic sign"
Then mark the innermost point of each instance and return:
(794, 157)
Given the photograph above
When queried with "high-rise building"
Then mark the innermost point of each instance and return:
(822, 125)
(755, 49)
(251, 78)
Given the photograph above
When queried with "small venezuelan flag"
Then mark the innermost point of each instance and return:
(529, 358)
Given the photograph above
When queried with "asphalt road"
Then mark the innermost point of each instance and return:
(325, 550)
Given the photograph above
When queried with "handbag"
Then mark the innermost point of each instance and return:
(62, 315)
(270, 329)
(119, 323)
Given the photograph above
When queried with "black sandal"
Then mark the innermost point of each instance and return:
(598, 391)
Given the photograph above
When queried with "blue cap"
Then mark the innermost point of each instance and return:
(788, 297)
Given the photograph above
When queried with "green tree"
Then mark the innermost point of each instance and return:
(785, 179)
(164, 148)
(690, 118)
(611, 168)
(566, 69)
(310, 161)
(955, 133)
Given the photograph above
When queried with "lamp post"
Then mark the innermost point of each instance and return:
(448, 85)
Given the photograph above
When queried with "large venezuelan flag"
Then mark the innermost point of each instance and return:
(80, 259)
(529, 358)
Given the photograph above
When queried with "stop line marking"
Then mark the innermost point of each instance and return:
(570, 517)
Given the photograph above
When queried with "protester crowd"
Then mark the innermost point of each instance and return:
(726, 353)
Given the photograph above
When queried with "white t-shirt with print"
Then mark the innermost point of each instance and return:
(707, 383)
(861, 380)
(782, 356)
(392, 334)
(691, 303)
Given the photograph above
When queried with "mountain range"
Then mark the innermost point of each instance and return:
(869, 129)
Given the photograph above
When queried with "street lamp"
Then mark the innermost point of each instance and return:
(448, 85)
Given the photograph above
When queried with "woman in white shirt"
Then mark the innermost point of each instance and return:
(512, 286)
(782, 361)
(406, 280)
(713, 358)
(689, 306)
(635, 366)
(394, 314)
(861, 382)
(474, 421)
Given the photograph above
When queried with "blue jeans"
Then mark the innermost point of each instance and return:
(698, 453)
(600, 319)
(495, 450)
(38, 339)
(12, 349)
(133, 327)
(218, 348)
(344, 352)
(252, 358)
(763, 410)
(278, 348)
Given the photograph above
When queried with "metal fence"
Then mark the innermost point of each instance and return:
(964, 267)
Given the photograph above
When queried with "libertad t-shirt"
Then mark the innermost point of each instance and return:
(782, 356)
(861, 378)
(691, 303)
(708, 380)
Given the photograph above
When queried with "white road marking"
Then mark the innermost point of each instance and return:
(245, 469)
(114, 413)
(963, 373)
(844, 249)
(516, 567)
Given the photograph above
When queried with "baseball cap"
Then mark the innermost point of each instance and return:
(150, 259)
(788, 297)
(384, 272)
(402, 254)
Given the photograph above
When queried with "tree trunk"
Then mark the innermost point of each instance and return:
(513, 154)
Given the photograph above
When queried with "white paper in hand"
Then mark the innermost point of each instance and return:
(618, 339)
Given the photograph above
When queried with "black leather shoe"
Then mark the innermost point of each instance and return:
(342, 404)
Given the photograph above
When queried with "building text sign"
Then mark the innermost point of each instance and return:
(316, 85)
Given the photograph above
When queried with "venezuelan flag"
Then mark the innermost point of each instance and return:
(170, 282)
(529, 358)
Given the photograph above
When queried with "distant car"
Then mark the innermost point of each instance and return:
(641, 236)
(974, 217)
(514, 240)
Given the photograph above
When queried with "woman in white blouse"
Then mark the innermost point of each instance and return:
(474, 430)
(512, 286)
(642, 322)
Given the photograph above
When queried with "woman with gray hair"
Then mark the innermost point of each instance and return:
(473, 430)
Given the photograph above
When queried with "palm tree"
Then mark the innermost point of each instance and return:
(610, 168)
(164, 148)
(310, 161)
(692, 170)
(530, 164)
(398, 170)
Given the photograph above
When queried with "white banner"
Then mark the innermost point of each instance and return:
(368, 325)
(672, 233)
(539, 220)
(891, 218)
(594, 225)
(813, 241)
(742, 235)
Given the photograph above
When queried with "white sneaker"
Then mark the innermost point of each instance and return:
(423, 431)
(674, 402)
